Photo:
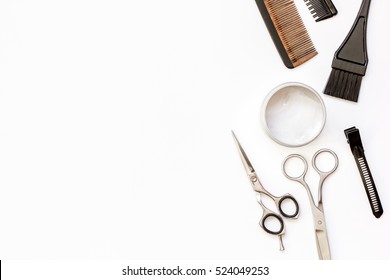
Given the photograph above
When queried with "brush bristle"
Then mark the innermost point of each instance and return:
(343, 84)
(292, 32)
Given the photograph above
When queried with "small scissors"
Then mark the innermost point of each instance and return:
(317, 211)
(259, 189)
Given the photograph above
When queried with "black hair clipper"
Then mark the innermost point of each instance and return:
(355, 142)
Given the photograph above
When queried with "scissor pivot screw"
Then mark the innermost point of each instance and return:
(253, 179)
(319, 222)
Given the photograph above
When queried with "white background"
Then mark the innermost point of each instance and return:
(115, 142)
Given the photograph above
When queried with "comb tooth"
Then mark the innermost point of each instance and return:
(291, 30)
(320, 9)
(311, 8)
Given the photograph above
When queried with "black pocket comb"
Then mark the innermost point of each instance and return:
(321, 9)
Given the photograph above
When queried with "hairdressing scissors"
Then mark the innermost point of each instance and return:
(260, 190)
(317, 211)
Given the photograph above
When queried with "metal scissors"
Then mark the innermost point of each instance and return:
(260, 190)
(317, 211)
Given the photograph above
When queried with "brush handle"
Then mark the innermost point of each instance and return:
(354, 47)
(364, 8)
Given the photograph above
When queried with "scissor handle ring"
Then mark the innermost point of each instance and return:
(302, 175)
(284, 214)
(336, 161)
(269, 215)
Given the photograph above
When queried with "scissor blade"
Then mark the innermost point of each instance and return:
(244, 158)
(322, 245)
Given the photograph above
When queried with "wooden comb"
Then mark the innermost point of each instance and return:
(287, 31)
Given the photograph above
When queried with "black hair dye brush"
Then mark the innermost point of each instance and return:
(350, 60)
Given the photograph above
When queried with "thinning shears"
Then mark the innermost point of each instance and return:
(260, 190)
(317, 211)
